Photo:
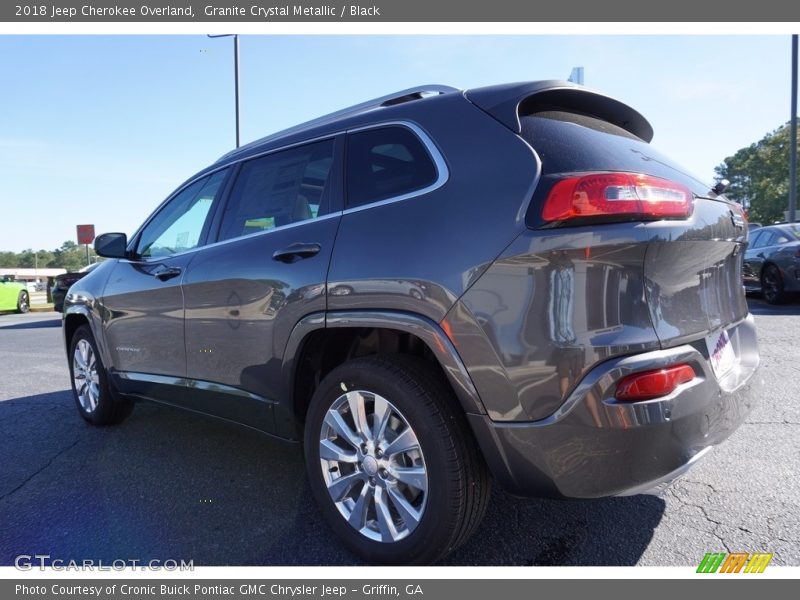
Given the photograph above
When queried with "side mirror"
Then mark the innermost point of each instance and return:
(111, 245)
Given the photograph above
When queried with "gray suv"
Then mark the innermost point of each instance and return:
(430, 289)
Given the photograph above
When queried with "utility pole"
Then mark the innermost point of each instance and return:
(793, 133)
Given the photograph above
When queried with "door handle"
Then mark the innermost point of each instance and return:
(760, 255)
(167, 273)
(295, 252)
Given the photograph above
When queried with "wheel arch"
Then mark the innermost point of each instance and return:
(322, 341)
(769, 263)
(76, 315)
(73, 320)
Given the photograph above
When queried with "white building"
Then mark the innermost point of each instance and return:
(30, 274)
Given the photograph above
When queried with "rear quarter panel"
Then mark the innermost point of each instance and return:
(420, 254)
(559, 301)
(554, 303)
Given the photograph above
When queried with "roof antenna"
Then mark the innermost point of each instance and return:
(576, 76)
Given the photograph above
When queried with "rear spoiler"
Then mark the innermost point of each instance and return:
(508, 102)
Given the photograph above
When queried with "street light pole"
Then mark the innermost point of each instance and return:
(793, 133)
(235, 37)
(236, 79)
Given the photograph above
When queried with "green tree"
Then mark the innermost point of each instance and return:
(71, 256)
(25, 259)
(759, 176)
(8, 259)
(28, 259)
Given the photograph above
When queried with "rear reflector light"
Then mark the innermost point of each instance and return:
(653, 384)
(627, 195)
(744, 214)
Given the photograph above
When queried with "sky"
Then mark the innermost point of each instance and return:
(100, 129)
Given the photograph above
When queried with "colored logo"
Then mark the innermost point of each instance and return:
(744, 562)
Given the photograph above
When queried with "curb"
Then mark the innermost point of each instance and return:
(41, 309)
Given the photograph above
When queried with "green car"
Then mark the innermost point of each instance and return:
(14, 296)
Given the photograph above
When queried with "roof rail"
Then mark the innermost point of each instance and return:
(415, 93)
(388, 100)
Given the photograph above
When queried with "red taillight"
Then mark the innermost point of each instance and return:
(653, 384)
(744, 214)
(627, 195)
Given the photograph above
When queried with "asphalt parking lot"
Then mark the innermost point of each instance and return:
(172, 485)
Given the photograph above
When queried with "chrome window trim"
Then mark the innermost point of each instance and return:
(443, 175)
(523, 209)
(236, 239)
(314, 140)
(233, 164)
(442, 172)
(351, 111)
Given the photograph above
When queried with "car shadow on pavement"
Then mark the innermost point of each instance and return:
(169, 484)
(536, 532)
(44, 324)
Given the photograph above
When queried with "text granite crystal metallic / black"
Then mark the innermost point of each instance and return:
(430, 289)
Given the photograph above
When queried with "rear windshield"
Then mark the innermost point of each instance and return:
(570, 143)
(789, 233)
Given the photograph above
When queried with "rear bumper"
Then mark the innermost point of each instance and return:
(58, 299)
(593, 446)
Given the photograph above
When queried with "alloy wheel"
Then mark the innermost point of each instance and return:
(373, 466)
(85, 376)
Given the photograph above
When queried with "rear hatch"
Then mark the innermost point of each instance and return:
(692, 262)
(64, 281)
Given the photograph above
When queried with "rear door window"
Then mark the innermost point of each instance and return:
(279, 189)
(754, 237)
(385, 163)
(765, 239)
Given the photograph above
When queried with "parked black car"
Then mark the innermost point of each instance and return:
(430, 284)
(772, 262)
(62, 283)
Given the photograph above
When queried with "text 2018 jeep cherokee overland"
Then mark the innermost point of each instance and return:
(429, 288)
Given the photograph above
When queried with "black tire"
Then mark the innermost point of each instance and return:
(23, 302)
(458, 482)
(772, 285)
(110, 407)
